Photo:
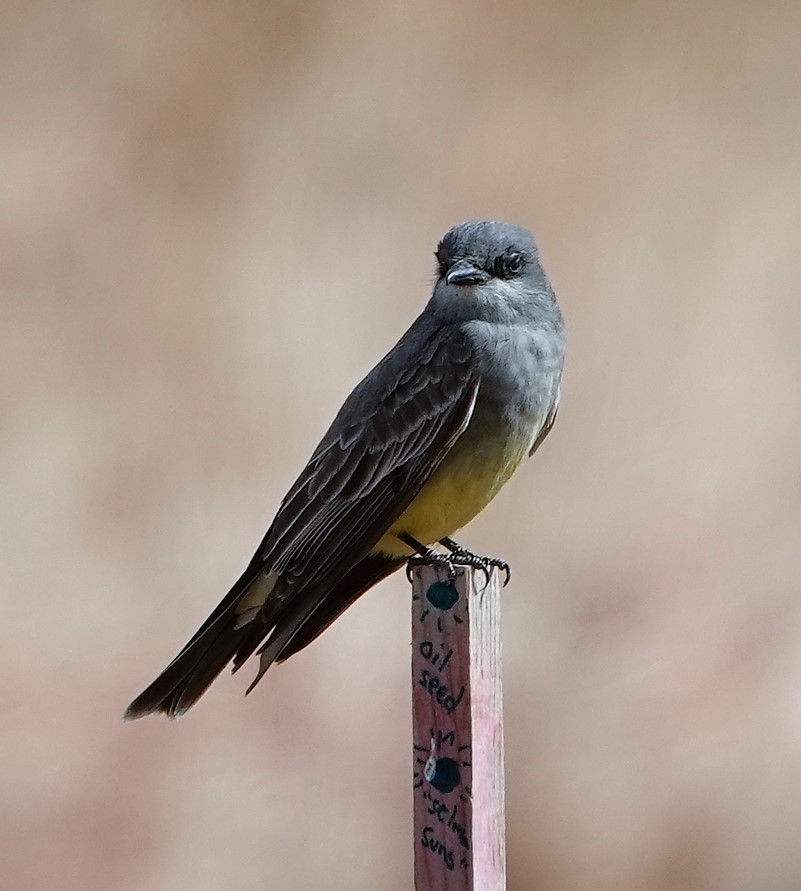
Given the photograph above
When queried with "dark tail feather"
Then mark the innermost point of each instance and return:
(348, 589)
(219, 641)
(311, 612)
(211, 648)
(187, 677)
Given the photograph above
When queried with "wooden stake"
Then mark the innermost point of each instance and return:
(459, 827)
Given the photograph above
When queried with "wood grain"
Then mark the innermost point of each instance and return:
(459, 824)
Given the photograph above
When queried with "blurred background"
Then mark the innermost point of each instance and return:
(205, 205)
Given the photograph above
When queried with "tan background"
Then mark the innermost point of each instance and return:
(214, 218)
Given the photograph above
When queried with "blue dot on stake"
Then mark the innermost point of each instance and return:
(446, 775)
(442, 595)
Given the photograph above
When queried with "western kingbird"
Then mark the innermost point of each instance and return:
(419, 447)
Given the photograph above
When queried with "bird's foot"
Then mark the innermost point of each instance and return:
(424, 555)
(458, 556)
(463, 557)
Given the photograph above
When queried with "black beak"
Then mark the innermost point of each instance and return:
(463, 272)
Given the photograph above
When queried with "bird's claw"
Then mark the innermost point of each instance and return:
(461, 557)
(485, 564)
(478, 561)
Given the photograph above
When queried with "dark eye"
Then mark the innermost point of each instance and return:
(513, 264)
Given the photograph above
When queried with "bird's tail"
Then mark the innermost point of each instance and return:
(232, 633)
(211, 648)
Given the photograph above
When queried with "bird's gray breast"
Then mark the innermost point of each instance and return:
(520, 367)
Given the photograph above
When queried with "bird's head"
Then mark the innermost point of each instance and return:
(476, 252)
(486, 266)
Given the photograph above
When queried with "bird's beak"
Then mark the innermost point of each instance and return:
(463, 272)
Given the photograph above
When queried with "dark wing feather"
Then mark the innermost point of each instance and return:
(341, 526)
(549, 421)
(390, 435)
(348, 589)
(410, 407)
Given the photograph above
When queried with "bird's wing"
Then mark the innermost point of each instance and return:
(550, 419)
(390, 435)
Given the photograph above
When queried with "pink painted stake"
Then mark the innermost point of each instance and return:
(459, 826)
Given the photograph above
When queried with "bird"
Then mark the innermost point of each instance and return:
(422, 444)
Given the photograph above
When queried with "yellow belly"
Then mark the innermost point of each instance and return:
(460, 488)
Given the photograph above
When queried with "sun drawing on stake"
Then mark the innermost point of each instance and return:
(442, 597)
(444, 773)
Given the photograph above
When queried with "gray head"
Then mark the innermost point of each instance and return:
(473, 253)
(490, 269)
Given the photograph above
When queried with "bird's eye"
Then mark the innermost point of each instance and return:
(513, 264)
